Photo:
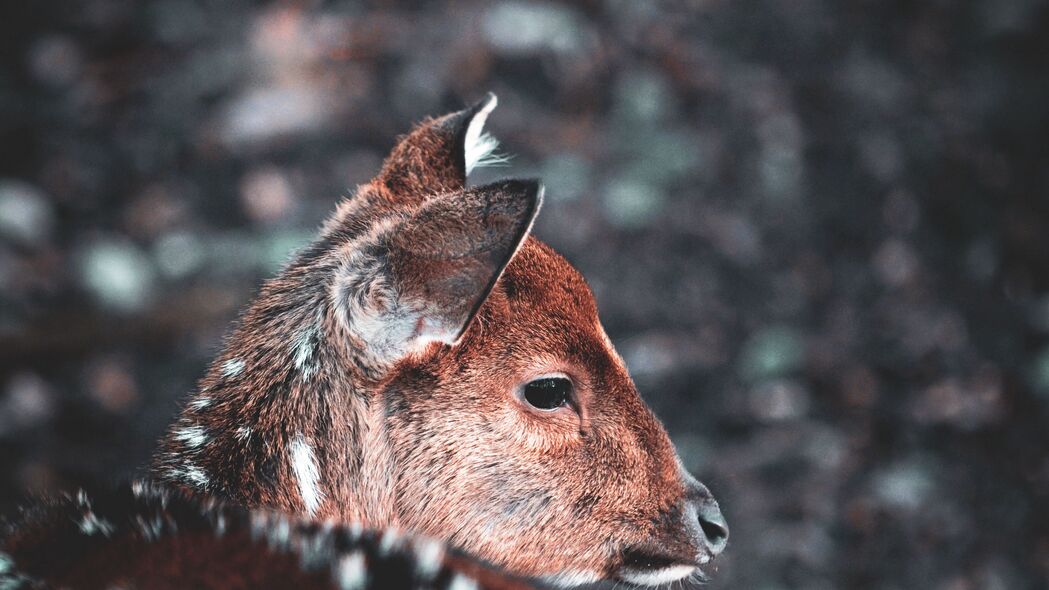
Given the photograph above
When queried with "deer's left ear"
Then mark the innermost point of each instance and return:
(439, 153)
(434, 270)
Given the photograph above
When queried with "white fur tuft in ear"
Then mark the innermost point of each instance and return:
(479, 146)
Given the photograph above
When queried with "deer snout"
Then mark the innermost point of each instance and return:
(713, 526)
(691, 534)
(713, 529)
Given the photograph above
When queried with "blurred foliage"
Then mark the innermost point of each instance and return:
(818, 232)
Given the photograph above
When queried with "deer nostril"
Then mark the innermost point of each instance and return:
(715, 529)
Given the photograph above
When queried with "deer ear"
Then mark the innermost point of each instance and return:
(449, 255)
(438, 267)
(439, 153)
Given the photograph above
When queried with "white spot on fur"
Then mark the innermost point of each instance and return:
(461, 582)
(190, 474)
(304, 352)
(196, 476)
(274, 529)
(259, 522)
(570, 578)
(429, 554)
(479, 146)
(243, 433)
(657, 577)
(91, 524)
(305, 467)
(355, 530)
(200, 402)
(232, 368)
(391, 537)
(191, 436)
(352, 572)
(280, 533)
(152, 528)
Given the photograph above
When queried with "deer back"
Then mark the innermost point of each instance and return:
(142, 536)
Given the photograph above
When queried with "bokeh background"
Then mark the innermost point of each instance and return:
(818, 232)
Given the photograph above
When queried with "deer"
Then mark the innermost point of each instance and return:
(427, 366)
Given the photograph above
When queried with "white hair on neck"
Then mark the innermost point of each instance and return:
(192, 436)
(304, 349)
(232, 368)
(305, 467)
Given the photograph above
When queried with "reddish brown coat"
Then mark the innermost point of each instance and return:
(377, 380)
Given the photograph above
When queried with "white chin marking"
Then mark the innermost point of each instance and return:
(568, 579)
(657, 577)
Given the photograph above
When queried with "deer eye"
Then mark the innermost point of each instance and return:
(548, 393)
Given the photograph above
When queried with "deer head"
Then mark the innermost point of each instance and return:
(427, 364)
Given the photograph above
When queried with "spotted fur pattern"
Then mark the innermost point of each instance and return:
(142, 536)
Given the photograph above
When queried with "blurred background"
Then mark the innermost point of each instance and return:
(818, 232)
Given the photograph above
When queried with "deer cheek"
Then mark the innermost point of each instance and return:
(530, 430)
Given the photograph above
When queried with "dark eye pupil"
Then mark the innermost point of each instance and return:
(549, 393)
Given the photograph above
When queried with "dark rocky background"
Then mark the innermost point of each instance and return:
(818, 232)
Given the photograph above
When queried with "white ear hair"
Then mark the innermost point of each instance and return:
(479, 146)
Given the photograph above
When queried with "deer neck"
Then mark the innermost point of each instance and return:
(288, 416)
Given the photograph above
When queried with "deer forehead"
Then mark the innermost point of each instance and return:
(542, 318)
(543, 276)
(543, 303)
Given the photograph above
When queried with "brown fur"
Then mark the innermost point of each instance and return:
(417, 341)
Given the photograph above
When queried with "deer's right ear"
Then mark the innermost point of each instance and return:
(437, 267)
